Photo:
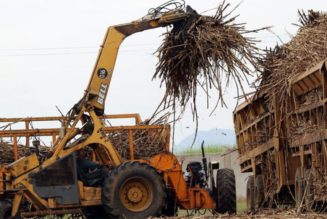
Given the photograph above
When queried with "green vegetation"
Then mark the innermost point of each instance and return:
(209, 149)
(186, 213)
(241, 206)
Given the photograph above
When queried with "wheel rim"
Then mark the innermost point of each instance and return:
(136, 194)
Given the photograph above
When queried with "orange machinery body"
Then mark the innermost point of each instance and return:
(165, 163)
(188, 198)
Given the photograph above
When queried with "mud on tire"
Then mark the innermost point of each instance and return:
(133, 190)
(225, 191)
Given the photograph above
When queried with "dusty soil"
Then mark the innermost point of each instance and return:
(268, 213)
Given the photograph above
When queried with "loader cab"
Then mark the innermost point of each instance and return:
(58, 181)
(65, 180)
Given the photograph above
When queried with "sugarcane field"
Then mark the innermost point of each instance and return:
(163, 109)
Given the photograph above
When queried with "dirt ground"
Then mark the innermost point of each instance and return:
(268, 213)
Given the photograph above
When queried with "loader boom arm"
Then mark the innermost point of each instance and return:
(93, 101)
(98, 86)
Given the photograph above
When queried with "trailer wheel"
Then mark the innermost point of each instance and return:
(309, 190)
(133, 190)
(5, 209)
(250, 201)
(299, 191)
(226, 192)
(259, 191)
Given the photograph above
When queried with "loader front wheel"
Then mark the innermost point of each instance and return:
(5, 210)
(133, 190)
(226, 191)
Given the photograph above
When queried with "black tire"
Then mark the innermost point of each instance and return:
(96, 212)
(124, 190)
(171, 205)
(309, 190)
(298, 188)
(5, 209)
(250, 201)
(259, 191)
(226, 191)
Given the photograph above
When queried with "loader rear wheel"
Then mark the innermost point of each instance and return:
(250, 201)
(133, 190)
(226, 191)
(5, 209)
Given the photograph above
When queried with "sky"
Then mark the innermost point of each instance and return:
(48, 49)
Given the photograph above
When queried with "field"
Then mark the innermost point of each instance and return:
(210, 149)
(241, 208)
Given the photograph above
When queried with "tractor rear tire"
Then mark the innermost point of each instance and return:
(133, 190)
(226, 191)
(5, 209)
(250, 198)
(259, 191)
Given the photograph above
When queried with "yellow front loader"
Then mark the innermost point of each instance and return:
(135, 188)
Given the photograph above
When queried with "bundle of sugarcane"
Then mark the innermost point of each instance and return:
(321, 186)
(7, 152)
(205, 51)
(146, 142)
(304, 50)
